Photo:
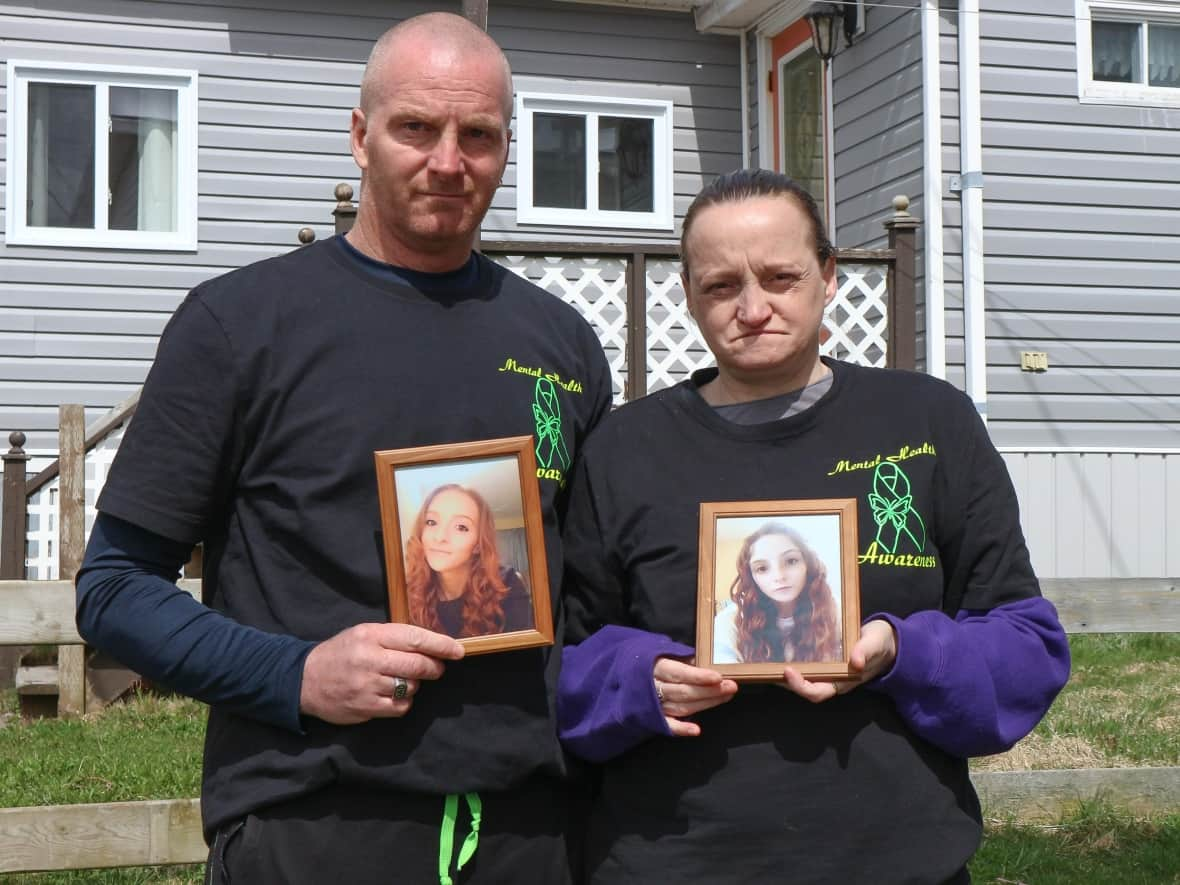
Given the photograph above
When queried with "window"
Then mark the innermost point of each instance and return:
(1129, 52)
(101, 157)
(594, 162)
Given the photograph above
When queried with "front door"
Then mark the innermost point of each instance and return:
(797, 96)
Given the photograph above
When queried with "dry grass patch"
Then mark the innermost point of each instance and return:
(1039, 751)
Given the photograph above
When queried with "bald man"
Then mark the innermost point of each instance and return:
(342, 747)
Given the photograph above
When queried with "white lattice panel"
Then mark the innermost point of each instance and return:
(675, 348)
(857, 319)
(856, 323)
(41, 534)
(597, 287)
(42, 553)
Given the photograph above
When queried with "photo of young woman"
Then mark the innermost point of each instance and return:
(454, 579)
(781, 607)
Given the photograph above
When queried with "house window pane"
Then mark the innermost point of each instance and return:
(1116, 52)
(143, 159)
(60, 184)
(559, 161)
(626, 154)
(803, 123)
(1163, 55)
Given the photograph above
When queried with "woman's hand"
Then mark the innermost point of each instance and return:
(872, 655)
(683, 690)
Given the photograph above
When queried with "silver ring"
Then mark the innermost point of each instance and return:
(659, 692)
(401, 688)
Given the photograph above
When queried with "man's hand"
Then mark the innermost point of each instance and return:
(684, 690)
(872, 655)
(350, 678)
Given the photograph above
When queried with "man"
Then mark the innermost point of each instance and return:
(338, 744)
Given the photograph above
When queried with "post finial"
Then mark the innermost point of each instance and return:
(306, 235)
(16, 439)
(343, 192)
(901, 204)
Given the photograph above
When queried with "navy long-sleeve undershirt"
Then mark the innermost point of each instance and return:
(130, 607)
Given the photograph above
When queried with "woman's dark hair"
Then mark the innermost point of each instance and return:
(746, 184)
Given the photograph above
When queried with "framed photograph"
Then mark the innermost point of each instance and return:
(777, 585)
(464, 543)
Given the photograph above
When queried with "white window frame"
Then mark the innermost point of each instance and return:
(659, 112)
(1091, 91)
(102, 77)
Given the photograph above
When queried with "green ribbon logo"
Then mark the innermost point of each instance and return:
(893, 509)
(547, 414)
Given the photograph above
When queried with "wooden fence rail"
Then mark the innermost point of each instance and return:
(112, 834)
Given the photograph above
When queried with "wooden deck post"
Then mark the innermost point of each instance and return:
(903, 331)
(345, 211)
(635, 385)
(12, 540)
(71, 543)
(476, 12)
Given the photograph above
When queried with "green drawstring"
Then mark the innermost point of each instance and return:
(446, 839)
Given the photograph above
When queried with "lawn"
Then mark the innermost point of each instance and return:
(1121, 708)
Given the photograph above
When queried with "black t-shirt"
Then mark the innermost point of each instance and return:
(272, 388)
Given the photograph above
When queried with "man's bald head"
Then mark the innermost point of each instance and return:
(432, 31)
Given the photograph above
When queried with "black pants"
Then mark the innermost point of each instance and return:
(345, 837)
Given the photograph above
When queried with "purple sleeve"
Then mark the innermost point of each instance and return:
(606, 698)
(977, 684)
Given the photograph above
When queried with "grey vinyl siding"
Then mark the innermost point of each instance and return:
(1082, 244)
(877, 123)
(1098, 514)
(277, 81)
(877, 129)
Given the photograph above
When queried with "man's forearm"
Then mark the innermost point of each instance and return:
(128, 607)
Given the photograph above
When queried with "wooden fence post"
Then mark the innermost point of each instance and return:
(71, 543)
(12, 541)
(345, 211)
(903, 330)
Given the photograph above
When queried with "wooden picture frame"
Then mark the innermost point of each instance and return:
(451, 493)
(745, 628)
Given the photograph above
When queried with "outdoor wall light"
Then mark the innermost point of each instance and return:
(825, 21)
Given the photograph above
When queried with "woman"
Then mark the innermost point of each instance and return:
(454, 580)
(782, 607)
(854, 781)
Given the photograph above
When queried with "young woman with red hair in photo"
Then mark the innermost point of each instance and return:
(454, 579)
(782, 607)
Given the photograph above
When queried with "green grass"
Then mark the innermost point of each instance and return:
(1121, 708)
(139, 876)
(1097, 845)
(147, 749)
